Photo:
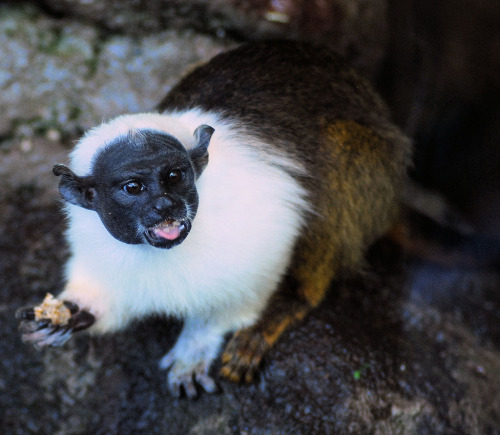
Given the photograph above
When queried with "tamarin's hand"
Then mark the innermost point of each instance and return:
(44, 332)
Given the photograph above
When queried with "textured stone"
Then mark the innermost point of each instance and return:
(356, 28)
(67, 76)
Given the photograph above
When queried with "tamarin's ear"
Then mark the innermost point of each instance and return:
(74, 189)
(199, 153)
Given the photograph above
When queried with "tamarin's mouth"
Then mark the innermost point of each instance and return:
(169, 229)
(168, 233)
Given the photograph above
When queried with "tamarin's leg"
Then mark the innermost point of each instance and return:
(294, 299)
(190, 358)
(243, 354)
(351, 209)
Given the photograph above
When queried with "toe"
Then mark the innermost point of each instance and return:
(174, 387)
(207, 383)
(29, 326)
(190, 388)
(167, 361)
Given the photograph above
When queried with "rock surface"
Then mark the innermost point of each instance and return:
(68, 76)
(396, 350)
(405, 347)
(356, 28)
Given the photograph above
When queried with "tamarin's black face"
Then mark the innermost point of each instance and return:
(142, 186)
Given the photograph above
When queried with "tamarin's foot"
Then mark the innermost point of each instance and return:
(190, 359)
(243, 354)
(187, 376)
(43, 332)
(245, 350)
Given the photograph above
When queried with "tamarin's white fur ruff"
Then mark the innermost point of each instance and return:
(251, 210)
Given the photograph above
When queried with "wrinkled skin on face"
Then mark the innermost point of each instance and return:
(142, 186)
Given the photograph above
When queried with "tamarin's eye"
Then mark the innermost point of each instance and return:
(175, 176)
(133, 188)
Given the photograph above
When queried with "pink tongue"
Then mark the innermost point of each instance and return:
(169, 232)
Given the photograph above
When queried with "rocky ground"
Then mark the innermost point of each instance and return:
(408, 346)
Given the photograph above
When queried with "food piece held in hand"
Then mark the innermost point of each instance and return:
(53, 309)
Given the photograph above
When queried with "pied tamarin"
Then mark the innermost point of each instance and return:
(265, 174)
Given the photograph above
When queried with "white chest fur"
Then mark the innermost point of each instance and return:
(250, 213)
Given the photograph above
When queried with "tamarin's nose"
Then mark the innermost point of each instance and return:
(162, 203)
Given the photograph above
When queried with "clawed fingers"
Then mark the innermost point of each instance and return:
(188, 379)
(243, 355)
(190, 383)
(29, 326)
(46, 332)
(207, 383)
(43, 333)
(184, 383)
